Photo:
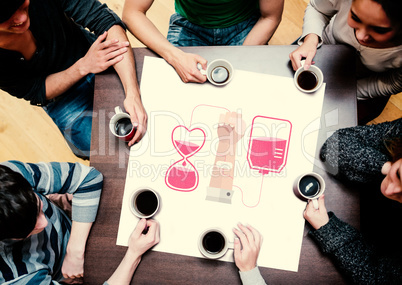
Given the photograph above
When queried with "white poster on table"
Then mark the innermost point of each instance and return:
(218, 156)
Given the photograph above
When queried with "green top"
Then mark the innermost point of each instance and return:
(216, 14)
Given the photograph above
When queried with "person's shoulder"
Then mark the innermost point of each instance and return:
(15, 165)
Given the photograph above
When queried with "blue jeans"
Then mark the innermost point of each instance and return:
(72, 113)
(184, 33)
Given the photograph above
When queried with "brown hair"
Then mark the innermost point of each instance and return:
(394, 147)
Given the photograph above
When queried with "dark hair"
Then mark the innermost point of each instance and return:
(8, 8)
(18, 205)
(394, 147)
(392, 9)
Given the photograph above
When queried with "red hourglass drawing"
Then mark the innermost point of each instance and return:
(182, 175)
(269, 144)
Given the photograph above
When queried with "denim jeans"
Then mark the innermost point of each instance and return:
(184, 33)
(72, 113)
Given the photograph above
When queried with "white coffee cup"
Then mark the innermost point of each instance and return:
(144, 202)
(219, 72)
(309, 186)
(118, 117)
(309, 80)
(213, 243)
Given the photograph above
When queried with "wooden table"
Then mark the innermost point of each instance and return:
(110, 157)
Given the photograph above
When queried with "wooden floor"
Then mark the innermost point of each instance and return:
(28, 134)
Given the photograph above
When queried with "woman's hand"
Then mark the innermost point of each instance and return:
(307, 50)
(139, 242)
(246, 247)
(316, 218)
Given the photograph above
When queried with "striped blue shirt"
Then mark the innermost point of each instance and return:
(38, 259)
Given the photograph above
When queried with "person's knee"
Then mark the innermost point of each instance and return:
(78, 135)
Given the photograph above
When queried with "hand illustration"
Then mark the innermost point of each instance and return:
(231, 127)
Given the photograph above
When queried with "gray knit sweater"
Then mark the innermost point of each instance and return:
(356, 259)
(357, 154)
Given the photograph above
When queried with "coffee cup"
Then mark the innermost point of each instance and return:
(120, 125)
(219, 72)
(144, 203)
(213, 243)
(309, 80)
(309, 186)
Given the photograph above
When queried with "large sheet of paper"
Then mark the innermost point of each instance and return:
(276, 128)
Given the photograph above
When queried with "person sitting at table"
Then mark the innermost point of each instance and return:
(38, 242)
(358, 154)
(364, 154)
(247, 247)
(356, 259)
(49, 57)
(203, 23)
(374, 29)
(34, 229)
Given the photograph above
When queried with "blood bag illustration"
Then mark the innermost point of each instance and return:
(269, 144)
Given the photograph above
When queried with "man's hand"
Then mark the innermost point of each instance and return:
(73, 265)
(185, 65)
(139, 118)
(102, 54)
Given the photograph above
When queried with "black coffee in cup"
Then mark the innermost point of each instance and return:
(307, 80)
(123, 127)
(220, 74)
(309, 186)
(213, 242)
(146, 202)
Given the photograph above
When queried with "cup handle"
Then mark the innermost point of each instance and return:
(203, 71)
(230, 245)
(118, 110)
(315, 203)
